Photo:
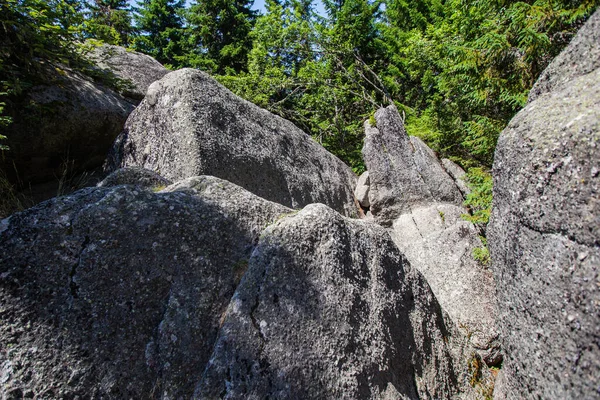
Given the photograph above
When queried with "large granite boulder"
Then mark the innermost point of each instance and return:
(189, 124)
(135, 71)
(70, 122)
(330, 309)
(407, 172)
(544, 233)
(119, 292)
(412, 194)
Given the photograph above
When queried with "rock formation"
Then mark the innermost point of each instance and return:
(119, 292)
(458, 174)
(544, 233)
(137, 71)
(189, 124)
(124, 293)
(412, 193)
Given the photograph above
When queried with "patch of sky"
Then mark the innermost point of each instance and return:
(259, 5)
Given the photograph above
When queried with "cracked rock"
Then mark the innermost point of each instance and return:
(412, 194)
(329, 309)
(122, 290)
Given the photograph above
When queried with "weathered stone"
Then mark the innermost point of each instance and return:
(135, 176)
(361, 192)
(544, 234)
(119, 292)
(403, 171)
(580, 57)
(190, 125)
(439, 243)
(330, 309)
(458, 174)
(411, 193)
(137, 71)
(70, 123)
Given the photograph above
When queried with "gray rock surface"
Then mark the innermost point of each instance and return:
(119, 292)
(73, 123)
(189, 124)
(135, 176)
(411, 193)
(137, 69)
(580, 57)
(458, 174)
(403, 171)
(544, 236)
(329, 309)
(439, 243)
(361, 192)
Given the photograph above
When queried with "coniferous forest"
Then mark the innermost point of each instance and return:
(457, 70)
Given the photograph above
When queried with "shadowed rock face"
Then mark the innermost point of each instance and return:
(330, 309)
(125, 293)
(119, 292)
(190, 125)
(137, 69)
(544, 233)
(73, 124)
(412, 193)
(134, 176)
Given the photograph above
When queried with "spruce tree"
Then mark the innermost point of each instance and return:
(219, 34)
(160, 26)
(110, 21)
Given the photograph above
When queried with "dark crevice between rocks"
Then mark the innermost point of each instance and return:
(73, 286)
(415, 222)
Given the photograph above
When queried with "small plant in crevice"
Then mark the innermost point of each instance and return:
(479, 204)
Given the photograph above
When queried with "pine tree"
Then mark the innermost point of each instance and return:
(110, 21)
(218, 33)
(160, 25)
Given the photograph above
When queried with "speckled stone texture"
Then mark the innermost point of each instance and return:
(189, 125)
(135, 176)
(411, 193)
(403, 171)
(137, 71)
(119, 292)
(330, 309)
(544, 234)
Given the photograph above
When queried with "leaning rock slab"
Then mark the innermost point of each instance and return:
(329, 309)
(137, 70)
(189, 124)
(440, 244)
(544, 238)
(119, 292)
(411, 193)
(403, 171)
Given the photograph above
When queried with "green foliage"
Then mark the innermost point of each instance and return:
(109, 21)
(482, 254)
(160, 27)
(479, 201)
(218, 35)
